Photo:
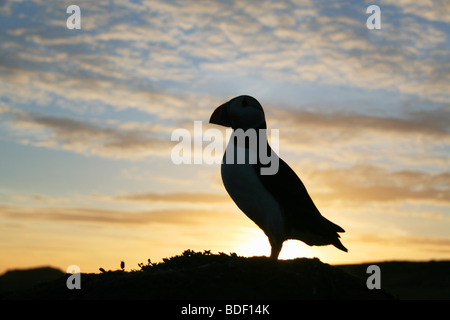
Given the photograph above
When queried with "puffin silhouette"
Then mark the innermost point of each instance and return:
(277, 203)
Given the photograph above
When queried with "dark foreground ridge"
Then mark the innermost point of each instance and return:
(197, 275)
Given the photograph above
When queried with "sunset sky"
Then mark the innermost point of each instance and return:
(86, 117)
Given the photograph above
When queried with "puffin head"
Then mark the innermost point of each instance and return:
(242, 112)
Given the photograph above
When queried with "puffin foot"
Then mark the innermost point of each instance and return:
(275, 249)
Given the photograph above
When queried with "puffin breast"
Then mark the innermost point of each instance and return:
(245, 188)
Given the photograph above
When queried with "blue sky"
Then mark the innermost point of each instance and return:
(86, 118)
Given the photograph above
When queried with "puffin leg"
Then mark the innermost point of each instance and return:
(275, 249)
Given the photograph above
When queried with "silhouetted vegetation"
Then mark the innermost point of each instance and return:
(188, 259)
(204, 275)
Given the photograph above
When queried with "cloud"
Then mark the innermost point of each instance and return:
(89, 95)
(363, 184)
(417, 138)
(434, 244)
(433, 10)
(125, 140)
(428, 123)
(91, 215)
(363, 114)
(414, 139)
(40, 199)
(171, 197)
(306, 42)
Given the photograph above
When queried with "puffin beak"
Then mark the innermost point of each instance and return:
(220, 116)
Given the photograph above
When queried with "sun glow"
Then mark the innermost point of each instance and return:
(256, 243)
(295, 249)
(253, 242)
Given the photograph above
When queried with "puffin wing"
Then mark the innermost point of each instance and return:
(291, 194)
(300, 212)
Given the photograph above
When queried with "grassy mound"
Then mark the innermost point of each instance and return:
(203, 275)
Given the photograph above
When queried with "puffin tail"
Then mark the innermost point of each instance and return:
(337, 243)
(334, 226)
